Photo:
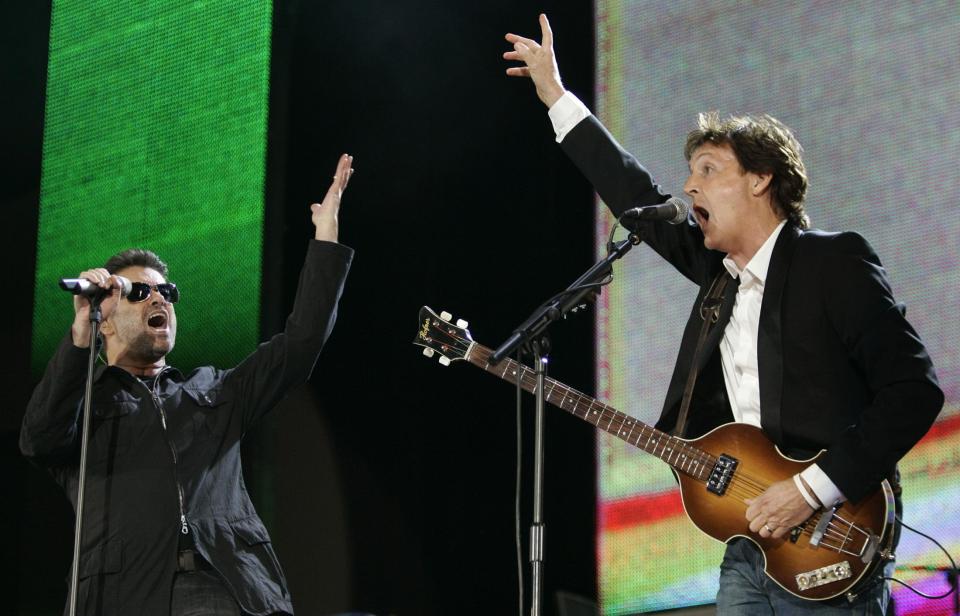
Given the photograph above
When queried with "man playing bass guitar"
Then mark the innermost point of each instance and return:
(809, 344)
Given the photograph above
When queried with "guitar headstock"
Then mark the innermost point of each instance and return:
(438, 335)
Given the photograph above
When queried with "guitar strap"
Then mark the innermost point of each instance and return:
(710, 314)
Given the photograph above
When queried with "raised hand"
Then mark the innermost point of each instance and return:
(325, 214)
(540, 64)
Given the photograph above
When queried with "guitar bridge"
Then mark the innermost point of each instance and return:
(721, 474)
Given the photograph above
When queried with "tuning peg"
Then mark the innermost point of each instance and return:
(444, 360)
(462, 324)
(446, 316)
(428, 352)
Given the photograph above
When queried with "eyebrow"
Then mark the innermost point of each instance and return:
(696, 158)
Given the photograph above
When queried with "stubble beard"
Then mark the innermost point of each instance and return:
(149, 349)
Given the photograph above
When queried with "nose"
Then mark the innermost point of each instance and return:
(156, 298)
(690, 186)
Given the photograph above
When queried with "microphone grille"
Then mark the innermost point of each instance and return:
(683, 210)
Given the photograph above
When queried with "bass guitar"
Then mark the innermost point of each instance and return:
(829, 555)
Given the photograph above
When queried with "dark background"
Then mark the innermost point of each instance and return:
(387, 482)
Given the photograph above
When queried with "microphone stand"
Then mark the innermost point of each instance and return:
(532, 333)
(95, 318)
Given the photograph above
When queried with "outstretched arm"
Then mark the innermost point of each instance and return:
(287, 360)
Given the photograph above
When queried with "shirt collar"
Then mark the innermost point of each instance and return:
(756, 269)
(102, 369)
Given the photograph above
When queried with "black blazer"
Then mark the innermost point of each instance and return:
(840, 367)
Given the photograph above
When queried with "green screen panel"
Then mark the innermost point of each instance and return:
(155, 137)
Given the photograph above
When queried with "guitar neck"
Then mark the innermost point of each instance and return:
(676, 452)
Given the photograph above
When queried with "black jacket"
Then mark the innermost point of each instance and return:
(140, 472)
(840, 367)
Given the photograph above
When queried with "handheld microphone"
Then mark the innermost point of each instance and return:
(674, 211)
(82, 286)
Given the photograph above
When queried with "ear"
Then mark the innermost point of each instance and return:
(760, 182)
(106, 328)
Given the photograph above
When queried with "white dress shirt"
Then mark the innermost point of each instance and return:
(738, 347)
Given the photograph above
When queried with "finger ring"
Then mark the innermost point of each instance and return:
(769, 530)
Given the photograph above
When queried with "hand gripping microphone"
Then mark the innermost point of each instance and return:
(82, 286)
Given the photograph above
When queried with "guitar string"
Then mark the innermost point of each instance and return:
(752, 487)
(743, 485)
(675, 446)
(833, 530)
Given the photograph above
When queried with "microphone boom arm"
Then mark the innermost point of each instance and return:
(562, 303)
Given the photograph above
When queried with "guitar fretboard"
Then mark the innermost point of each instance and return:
(676, 452)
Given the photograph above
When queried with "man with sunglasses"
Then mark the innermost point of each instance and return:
(168, 525)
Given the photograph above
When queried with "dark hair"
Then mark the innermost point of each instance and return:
(762, 144)
(136, 256)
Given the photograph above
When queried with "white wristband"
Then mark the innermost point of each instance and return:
(805, 493)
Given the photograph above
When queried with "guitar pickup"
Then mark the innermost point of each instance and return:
(823, 575)
(721, 474)
(796, 532)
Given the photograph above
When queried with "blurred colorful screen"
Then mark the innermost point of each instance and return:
(872, 90)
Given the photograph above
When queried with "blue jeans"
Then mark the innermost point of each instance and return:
(745, 590)
(201, 593)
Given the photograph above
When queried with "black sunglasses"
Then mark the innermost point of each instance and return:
(140, 291)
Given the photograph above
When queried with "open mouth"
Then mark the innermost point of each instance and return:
(157, 320)
(701, 213)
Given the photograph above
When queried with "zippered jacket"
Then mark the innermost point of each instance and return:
(164, 458)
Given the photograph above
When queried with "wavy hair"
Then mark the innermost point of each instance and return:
(762, 144)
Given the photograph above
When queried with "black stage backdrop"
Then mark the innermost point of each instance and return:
(391, 479)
